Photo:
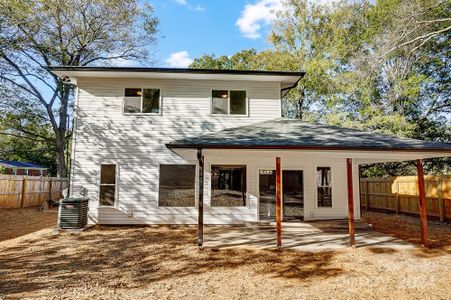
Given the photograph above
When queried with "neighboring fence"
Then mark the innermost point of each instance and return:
(400, 195)
(26, 191)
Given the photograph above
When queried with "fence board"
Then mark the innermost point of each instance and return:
(36, 190)
(400, 194)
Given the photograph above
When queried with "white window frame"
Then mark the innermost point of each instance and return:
(116, 189)
(160, 102)
(315, 170)
(228, 106)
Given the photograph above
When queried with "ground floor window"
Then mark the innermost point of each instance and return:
(324, 187)
(177, 185)
(228, 185)
(107, 193)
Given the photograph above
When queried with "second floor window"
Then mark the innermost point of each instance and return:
(227, 102)
(142, 101)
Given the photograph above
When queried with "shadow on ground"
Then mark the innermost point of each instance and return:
(134, 257)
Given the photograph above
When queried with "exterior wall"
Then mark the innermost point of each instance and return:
(136, 143)
(290, 160)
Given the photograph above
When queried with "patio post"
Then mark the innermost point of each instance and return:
(350, 203)
(200, 204)
(278, 202)
(422, 204)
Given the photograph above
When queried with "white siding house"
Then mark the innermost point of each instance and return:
(187, 106)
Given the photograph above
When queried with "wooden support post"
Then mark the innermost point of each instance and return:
(200, 205)
(24, 190)
(350, 203)
(422, 204)
(278, 202)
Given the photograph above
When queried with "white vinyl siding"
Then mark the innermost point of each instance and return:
(137, 141)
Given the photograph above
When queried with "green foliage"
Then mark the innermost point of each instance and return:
(374, 65)
(37, 34)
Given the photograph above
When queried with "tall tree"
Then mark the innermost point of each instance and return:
(37, 34)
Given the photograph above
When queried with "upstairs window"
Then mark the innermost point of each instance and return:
(227, 102)
(324, 186)
(142, 101)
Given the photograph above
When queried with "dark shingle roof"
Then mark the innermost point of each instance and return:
(19, 164)
(286, 133)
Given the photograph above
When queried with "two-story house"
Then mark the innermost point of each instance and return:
(173, 146)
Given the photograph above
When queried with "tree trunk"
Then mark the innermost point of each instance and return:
(301, 103)
(61, 167)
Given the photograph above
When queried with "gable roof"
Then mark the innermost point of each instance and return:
(21, 165)
(295, 134)
(288, 79)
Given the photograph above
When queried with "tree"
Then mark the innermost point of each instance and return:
(37, 34)
(374, 65)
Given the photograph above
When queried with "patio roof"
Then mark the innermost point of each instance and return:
(295, 134)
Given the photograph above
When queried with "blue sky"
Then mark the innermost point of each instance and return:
(190, 28)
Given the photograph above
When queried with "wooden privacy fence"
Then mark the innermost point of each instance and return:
(26, 191)
(400, 195)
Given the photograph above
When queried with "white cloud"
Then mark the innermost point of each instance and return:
(190, 7)
(198, 8)
(179, 60)
(255, 15)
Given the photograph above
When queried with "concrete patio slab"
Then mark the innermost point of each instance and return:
(300, 236)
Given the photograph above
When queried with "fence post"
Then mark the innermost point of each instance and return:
(367, 196)
(441, 200)
(22, 195)
(50, 189)
(397, 197)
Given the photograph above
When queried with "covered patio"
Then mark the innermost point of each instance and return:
(284, 143)
(302, 236)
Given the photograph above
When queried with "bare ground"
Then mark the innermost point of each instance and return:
(148, 262)
(15, 222)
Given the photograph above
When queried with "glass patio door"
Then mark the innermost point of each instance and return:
(292, 195)
(267, 192)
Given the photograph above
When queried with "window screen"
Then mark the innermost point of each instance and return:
(220, 102)
(228, 185)
(177, 185)
(107, 184)
(237, 102)
(151, 101)
(324, 187)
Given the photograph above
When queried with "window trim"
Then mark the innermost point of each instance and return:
(246, 197)
(315, 170)
(160, 102)
(116, 189)
(196, 170)
(228, 107)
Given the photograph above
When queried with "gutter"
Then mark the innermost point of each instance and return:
(284, 91)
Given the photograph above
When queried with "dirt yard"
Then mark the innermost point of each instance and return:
(148, 262)
(20, 221)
